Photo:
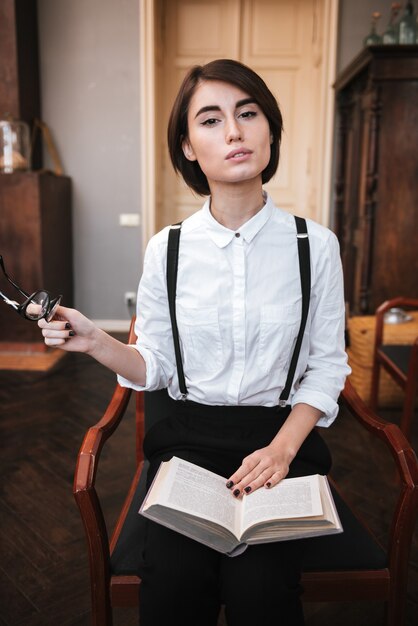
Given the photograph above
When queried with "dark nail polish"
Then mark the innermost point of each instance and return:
(268, 485)
(71, 333)
(229, 484)
(67, 326)
(247, 489)
(236, 493)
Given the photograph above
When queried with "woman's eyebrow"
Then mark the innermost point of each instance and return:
(205, 109)
(244, 101)
(215, 107)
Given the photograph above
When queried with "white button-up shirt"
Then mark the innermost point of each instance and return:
(238, 312)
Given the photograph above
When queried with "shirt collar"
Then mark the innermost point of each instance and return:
(222, 236)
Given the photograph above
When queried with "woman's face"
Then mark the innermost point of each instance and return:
(228, 134)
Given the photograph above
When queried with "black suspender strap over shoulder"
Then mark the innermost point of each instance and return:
(172, 265)
(305, 280)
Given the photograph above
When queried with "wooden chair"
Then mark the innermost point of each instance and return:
(351, 566)
(400, 361)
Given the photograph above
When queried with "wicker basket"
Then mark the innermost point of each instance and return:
(360, 356)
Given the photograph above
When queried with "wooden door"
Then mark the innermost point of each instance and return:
(285, 43)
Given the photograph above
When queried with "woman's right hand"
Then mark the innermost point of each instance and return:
(69, 330)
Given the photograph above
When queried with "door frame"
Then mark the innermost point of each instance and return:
(147, 177)
(147, 131)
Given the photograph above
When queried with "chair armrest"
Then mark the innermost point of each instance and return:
(406, 510)
(400, 448)
(88, 502)
(86, 497)
(96, 437)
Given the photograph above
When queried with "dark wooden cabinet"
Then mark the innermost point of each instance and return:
(376, 191)
(35, 206)
(36, 243)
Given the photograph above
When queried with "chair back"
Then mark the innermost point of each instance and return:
(400, 302)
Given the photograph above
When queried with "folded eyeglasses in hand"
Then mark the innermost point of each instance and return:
(40, 304)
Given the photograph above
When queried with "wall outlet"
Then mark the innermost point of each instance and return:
(129, 219)
(130, 298)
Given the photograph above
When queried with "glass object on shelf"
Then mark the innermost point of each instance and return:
(391, 34)
(397, 316)
(408, 25)
(373, 39)
(14, 145)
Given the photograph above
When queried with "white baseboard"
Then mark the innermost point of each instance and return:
(113, 326)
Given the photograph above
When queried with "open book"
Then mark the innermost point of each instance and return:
(196, 503)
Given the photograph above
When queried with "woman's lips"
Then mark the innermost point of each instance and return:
(238, 154)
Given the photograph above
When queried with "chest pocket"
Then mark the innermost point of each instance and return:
(278, 330)
(201, 338)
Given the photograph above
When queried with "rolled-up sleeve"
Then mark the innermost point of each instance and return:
(153, 326)
(327, 366)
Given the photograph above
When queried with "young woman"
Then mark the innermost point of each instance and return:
(239, 309)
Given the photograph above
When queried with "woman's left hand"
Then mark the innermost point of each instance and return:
(263, 468)
(268, 466)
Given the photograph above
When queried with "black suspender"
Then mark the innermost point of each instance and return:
(172, 265)
(305, 280)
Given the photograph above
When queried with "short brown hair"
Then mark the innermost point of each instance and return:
(235, 73)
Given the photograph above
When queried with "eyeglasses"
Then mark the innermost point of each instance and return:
(36, 306)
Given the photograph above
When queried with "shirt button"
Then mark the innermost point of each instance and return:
(237, 235)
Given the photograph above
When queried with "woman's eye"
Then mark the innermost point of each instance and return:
(246, 114)
(210, 122)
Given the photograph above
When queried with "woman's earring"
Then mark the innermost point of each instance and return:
(271, 138)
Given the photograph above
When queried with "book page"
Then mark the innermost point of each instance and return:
(197, 491)
(328, 504)
(291, 498)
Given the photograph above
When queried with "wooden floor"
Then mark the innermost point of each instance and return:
(44, 578)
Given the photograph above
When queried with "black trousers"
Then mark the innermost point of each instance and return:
(184, 583)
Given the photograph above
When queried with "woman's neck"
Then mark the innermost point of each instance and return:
(234, 205)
